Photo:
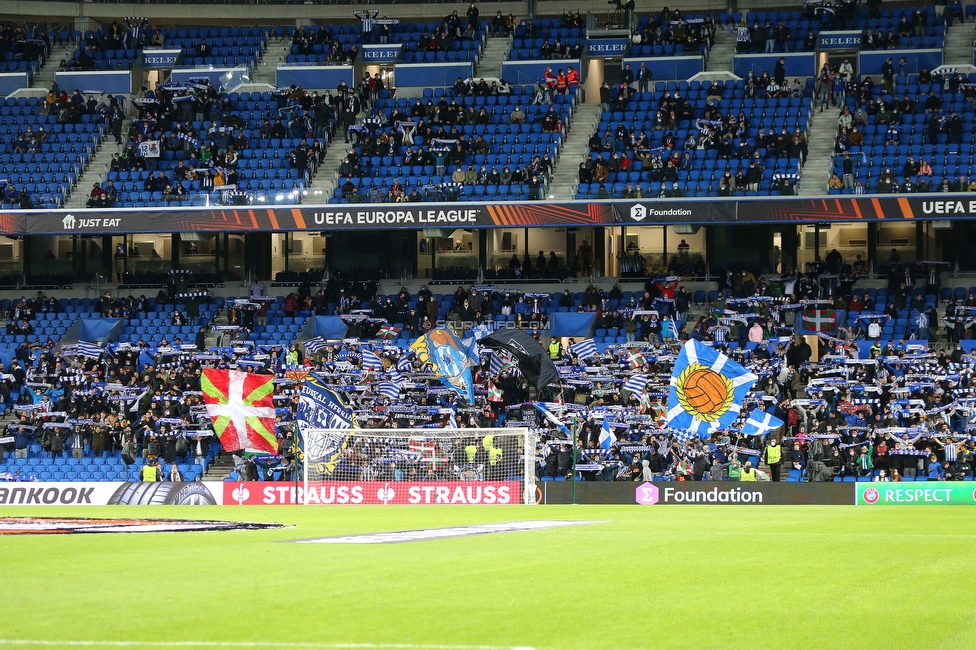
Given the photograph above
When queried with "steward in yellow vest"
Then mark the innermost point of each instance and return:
(554, 347)
(748, 472)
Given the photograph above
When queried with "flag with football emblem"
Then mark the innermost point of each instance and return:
(450, 358)
(241, 408)
(707, 389)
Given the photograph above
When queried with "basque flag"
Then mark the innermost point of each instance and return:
(241, 407)
(819, 320)
(388, 331)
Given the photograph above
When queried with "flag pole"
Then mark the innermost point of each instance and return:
(296, 454)
(579, 427)
(574, 469)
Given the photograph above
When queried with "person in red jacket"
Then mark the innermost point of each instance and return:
(561, 82)
(291, 304)
(667, 288)
(550, 77)
(572, 79)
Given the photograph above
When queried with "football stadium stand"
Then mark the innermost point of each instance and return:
(865, 360)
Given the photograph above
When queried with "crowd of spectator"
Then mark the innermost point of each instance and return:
(670, 27)
(899, 412)
(430, 135)
(21, 45)
(916, 123)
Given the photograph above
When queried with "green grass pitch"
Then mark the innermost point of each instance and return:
(650, 577)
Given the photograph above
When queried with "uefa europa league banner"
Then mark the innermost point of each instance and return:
(521, 214)
(917, 493)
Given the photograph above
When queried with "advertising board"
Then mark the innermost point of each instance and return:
(916, 493)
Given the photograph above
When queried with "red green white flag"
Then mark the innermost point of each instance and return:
(635, 358)
(388, 331)
(241, 407)
(819, 320)
(494, 394)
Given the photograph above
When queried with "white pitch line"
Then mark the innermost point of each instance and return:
(809, 534)
(255, 644)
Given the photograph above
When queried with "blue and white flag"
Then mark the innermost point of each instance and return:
(760, 422)
(499, 363)
(546, 413)
(584, 349)
(82, 349)
(636, 384)
(404, 365)
(607, 438)
(315, 344)
(388, 389)
(320, 407)
(371, 361)
(479, 332)
(707, 390)
(450, 358)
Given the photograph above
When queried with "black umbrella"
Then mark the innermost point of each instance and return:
(530, 357)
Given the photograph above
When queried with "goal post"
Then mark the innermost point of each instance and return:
(418, 466)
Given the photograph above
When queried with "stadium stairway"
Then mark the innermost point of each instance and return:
(97, 169)
(720, 55)
(269, 59)
(959, 44)
(326, 178)
(45, 74)
(220, 469)
(820, 141)
(574, 151)
(495, 52)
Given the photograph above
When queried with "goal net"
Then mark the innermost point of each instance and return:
(417, 466)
